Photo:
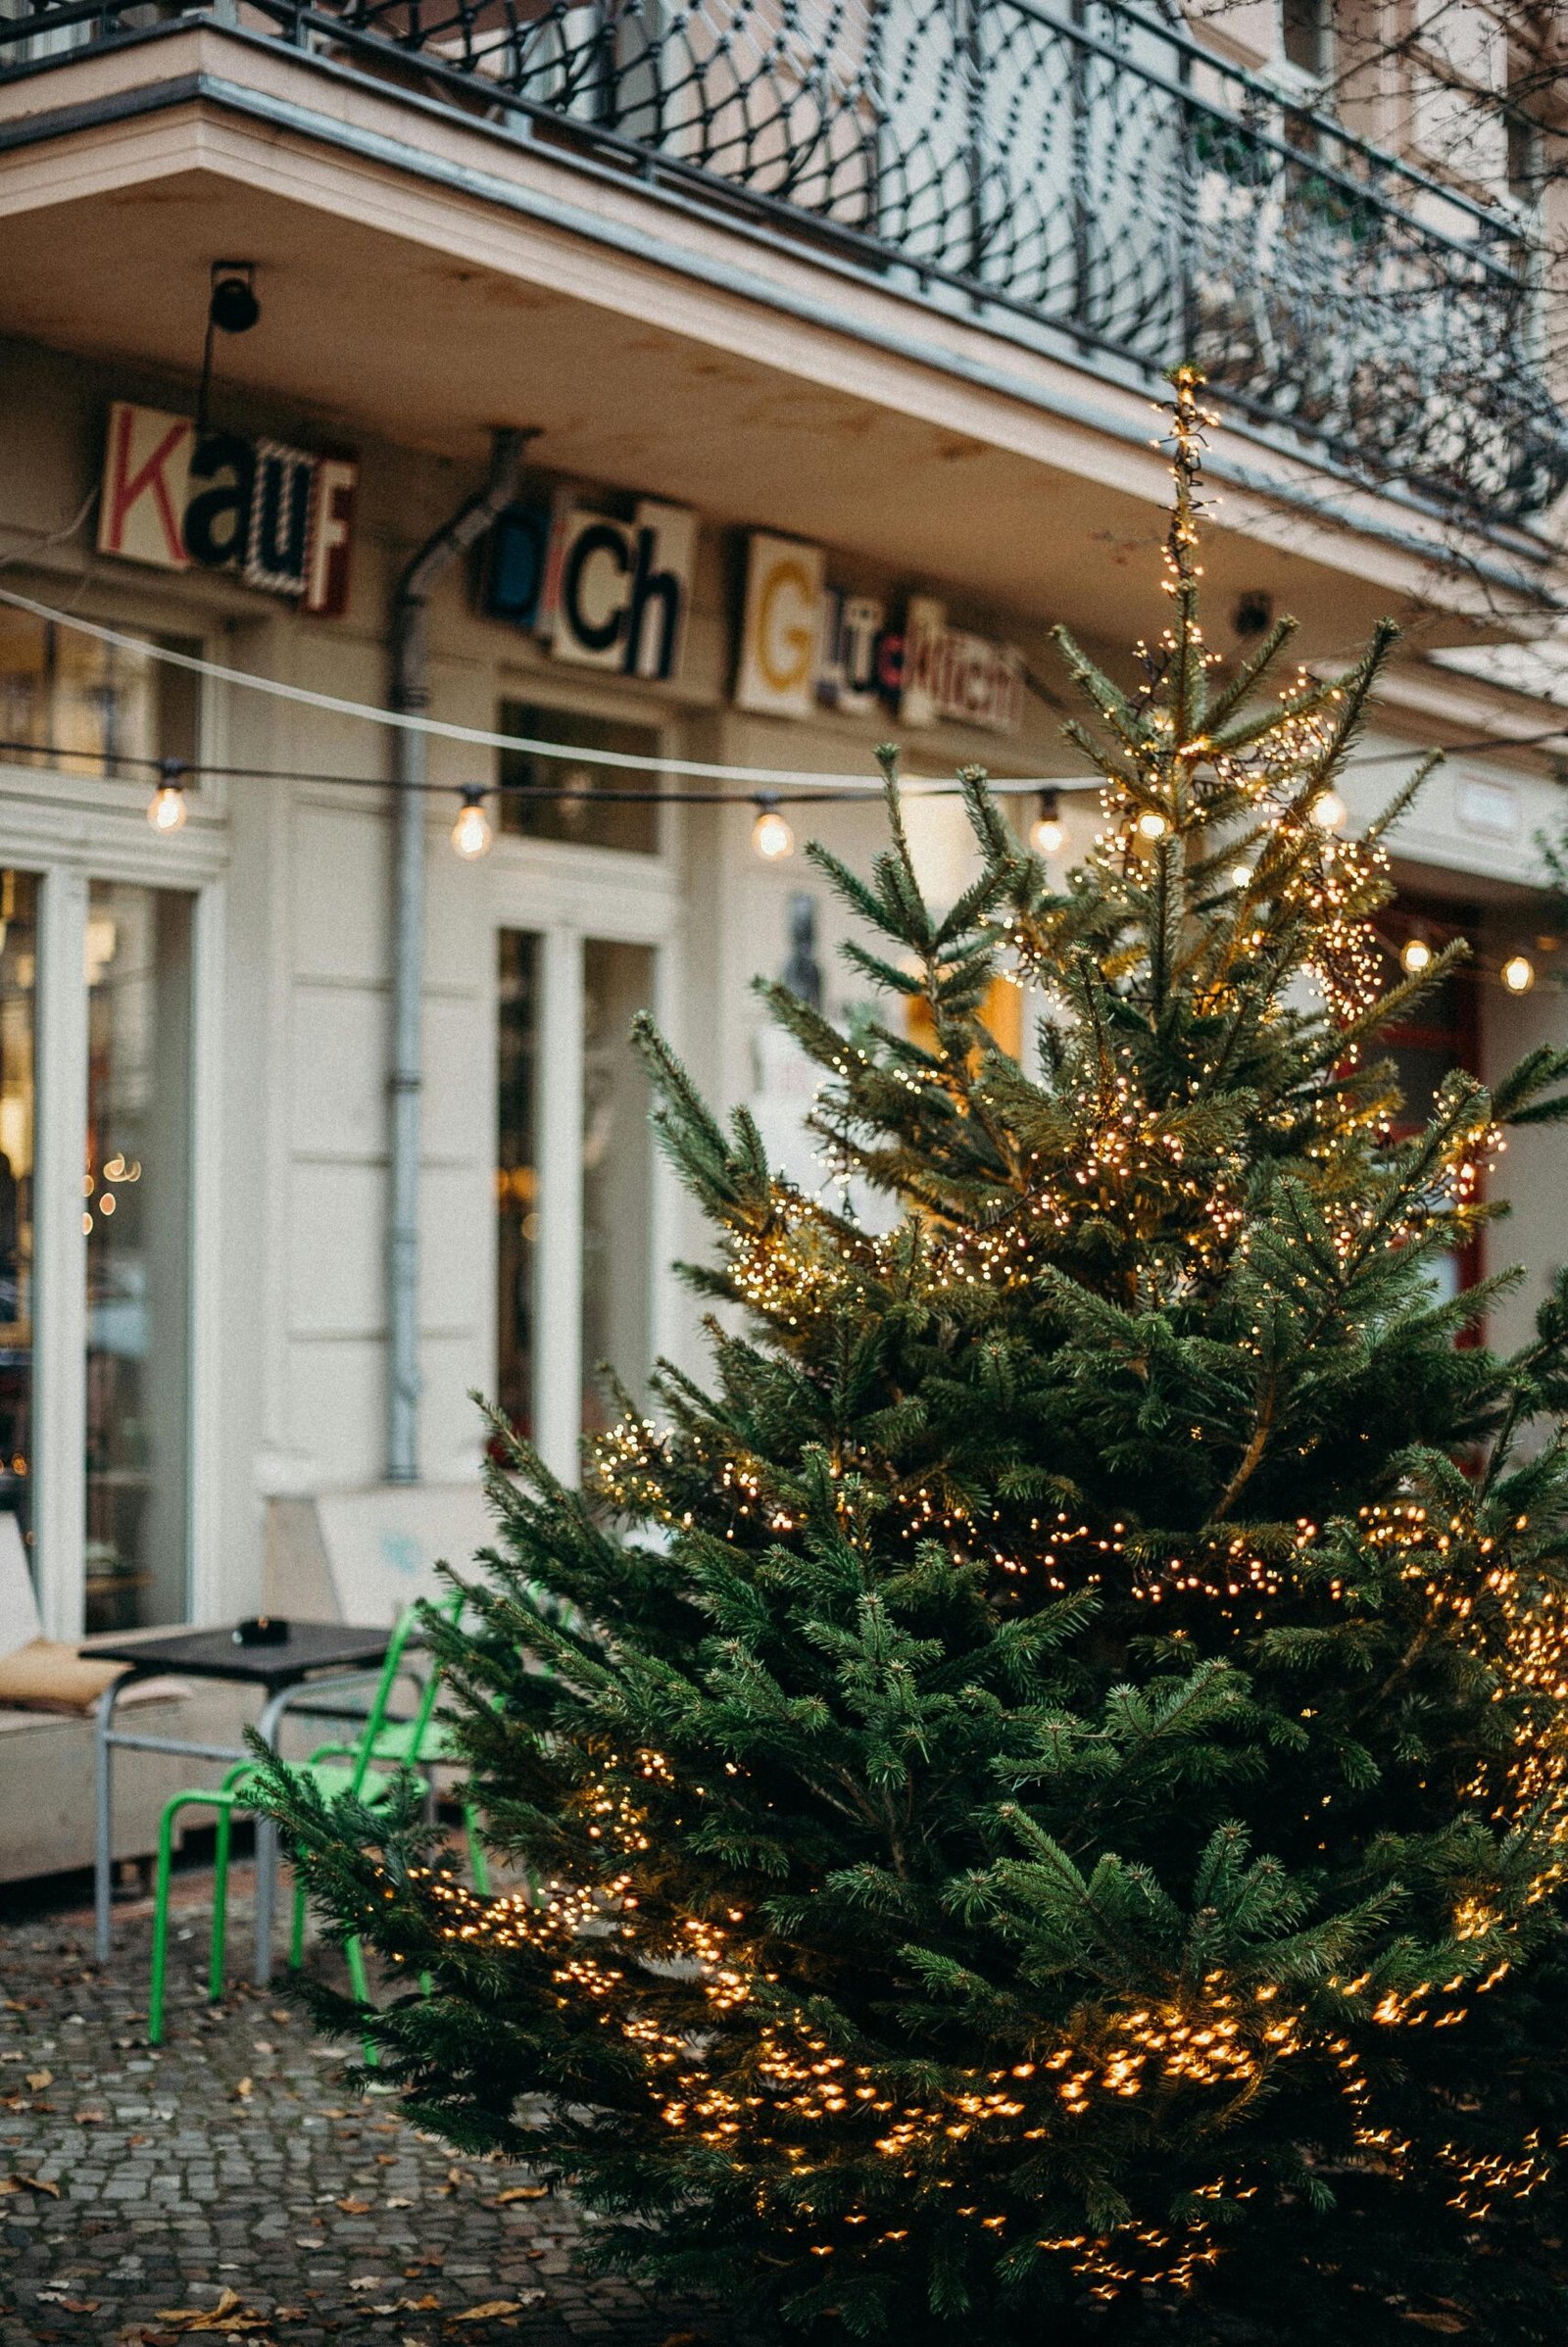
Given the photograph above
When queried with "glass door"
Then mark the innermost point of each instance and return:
(575, 1183)
(136, 1222)
(617, 1173)
(19, 965)
(516, 1173)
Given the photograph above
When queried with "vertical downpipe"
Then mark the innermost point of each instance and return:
(411, 695)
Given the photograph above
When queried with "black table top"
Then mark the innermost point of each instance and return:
(212, 1653)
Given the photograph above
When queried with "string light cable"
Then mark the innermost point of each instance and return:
(830, 785)
(758, 779)
(816, 789)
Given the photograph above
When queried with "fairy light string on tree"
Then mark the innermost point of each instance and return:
(1040, 1787)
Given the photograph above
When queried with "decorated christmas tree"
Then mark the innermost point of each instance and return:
(1036, 1794)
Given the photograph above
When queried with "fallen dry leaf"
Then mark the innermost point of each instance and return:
(91, 2118)
(520, 2192)
(37, 2183)
(355, 2208)
(242, 2089)
(229, 2314)
(366, 2281)
(490, 2308)
(38, 2080)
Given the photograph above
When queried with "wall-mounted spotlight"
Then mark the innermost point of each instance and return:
(233, 308)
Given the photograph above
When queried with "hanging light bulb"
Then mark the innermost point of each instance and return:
(1241, 875)
(1415, 955)
(1151, 825)
(166, 809)
(771, 836)
(1518, 974)
(1329, 810)
(1047, 833)
(471, 834)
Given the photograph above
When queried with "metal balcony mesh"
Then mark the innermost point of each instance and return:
(1076, 163)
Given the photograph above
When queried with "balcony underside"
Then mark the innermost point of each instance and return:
(426, 277)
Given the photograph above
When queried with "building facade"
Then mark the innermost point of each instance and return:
(809, 362)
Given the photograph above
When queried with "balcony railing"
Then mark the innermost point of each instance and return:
(1076, 168)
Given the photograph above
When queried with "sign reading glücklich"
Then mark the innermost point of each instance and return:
(805, 642)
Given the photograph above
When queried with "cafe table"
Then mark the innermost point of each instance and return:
(294, 1671)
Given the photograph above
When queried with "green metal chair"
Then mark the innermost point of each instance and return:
(334, 1769)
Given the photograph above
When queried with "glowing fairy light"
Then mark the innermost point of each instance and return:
(771, 835)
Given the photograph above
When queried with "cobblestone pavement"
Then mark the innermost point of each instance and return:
(232, 2176)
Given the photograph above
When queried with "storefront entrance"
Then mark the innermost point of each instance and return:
(585, 937)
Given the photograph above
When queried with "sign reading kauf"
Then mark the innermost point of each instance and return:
(278, 517)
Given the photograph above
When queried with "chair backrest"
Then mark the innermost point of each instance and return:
(392, 1670)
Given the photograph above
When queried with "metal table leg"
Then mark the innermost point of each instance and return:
(269, 1728)
(103, 1818)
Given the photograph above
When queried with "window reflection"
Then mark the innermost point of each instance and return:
(573, 803)
(87, 705)
(18, 972)
(136, 1217)
(517, 1174)
(617, 1167)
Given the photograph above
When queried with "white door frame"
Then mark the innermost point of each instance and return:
(68, 832)
(569, 899)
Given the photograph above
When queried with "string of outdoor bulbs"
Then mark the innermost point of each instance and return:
(773, 834)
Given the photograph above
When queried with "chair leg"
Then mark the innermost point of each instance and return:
(214, 1962)
(355, 1953)
(166, 1859)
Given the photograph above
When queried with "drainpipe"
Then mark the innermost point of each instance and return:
(410, 691)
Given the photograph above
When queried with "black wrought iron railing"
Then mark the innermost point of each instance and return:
(1078, 167)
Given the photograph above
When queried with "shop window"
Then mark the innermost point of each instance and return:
(1441, 1034)
(1305, 32)
(136, 1217)
(517, 1174)
(82, 707)
(553, 799)
(18, 968)
(618, 1172)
